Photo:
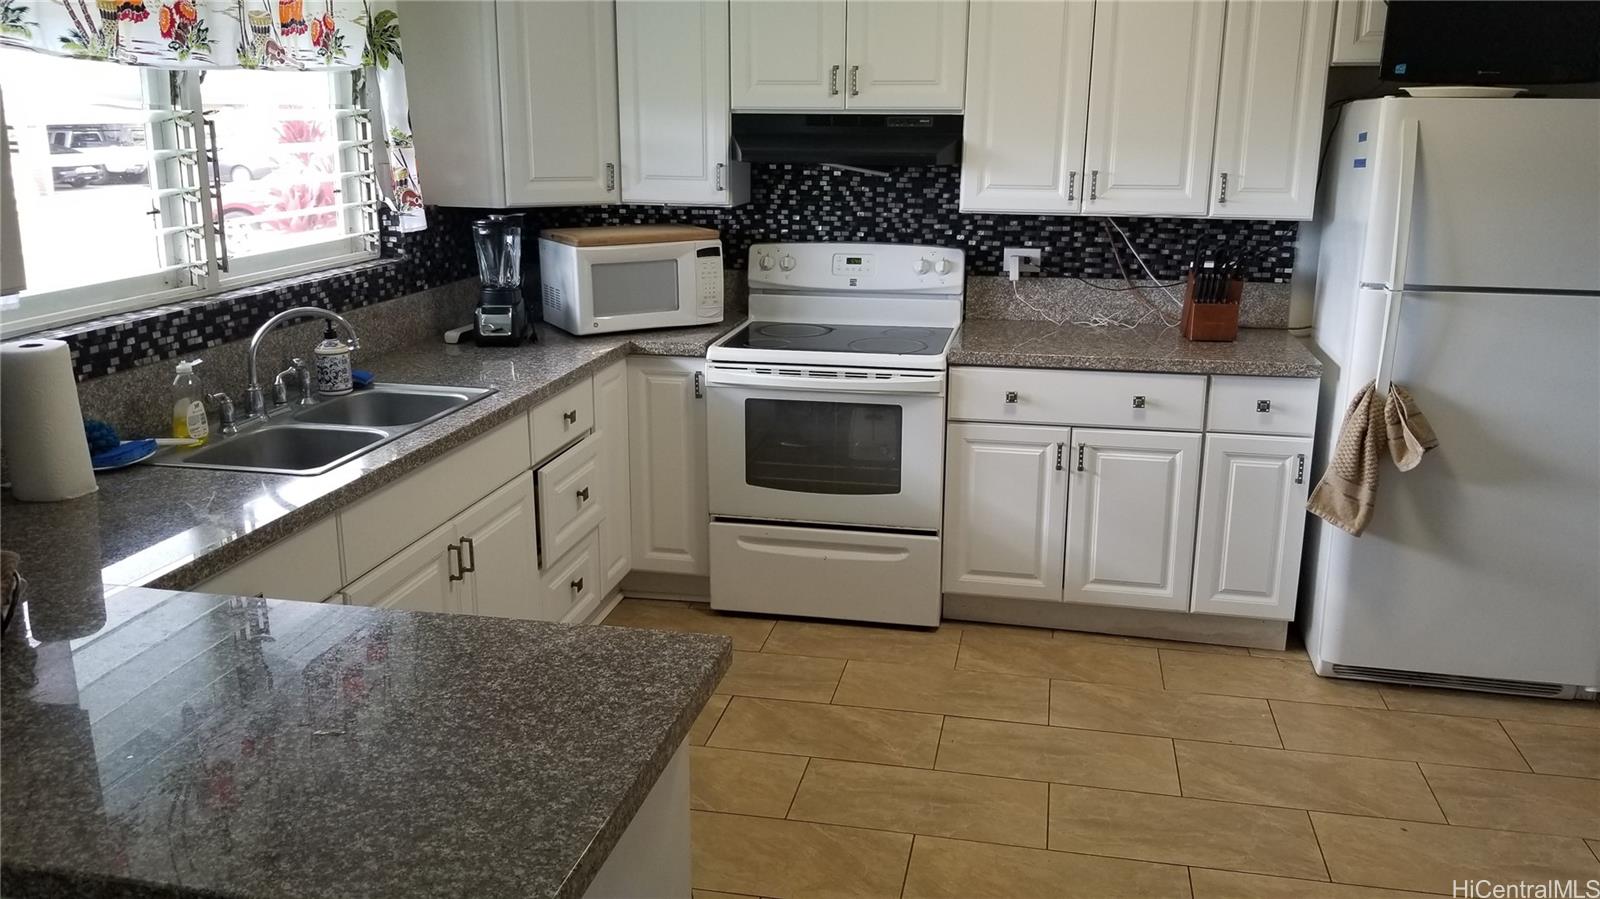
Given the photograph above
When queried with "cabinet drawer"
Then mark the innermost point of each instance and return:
(1113, 399)
(378, 526)
(571, 501)
(561, 419)
(570, 587)
(1263, 406)
(304, 566)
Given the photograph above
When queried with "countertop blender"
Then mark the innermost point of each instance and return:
(501, 318)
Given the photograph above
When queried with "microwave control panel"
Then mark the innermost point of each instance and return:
(708, 275)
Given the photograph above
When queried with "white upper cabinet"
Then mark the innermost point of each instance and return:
(1130, 518)
(558, 101)
(1269, 111)
(787, 54)
(1358, 32)
(1026, 107)
(1005, 510)
(672, 97)
(906, 54)
(1153, 106)
(1252, 519)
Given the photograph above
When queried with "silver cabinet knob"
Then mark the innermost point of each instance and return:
(570, 416)
(577, 585)
(1138, 402)
(1263, 405)
(583, 495)
(1011, 396)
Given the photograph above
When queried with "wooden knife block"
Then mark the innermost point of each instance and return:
(1211, 321)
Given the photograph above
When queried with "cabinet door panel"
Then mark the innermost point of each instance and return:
(906, 54)
(1252, 520)
(558, 101)
(611, 435)
(1005, 510)
(497, 542)
(417, 579)
(1358, 32)
(1153, 106)
(1269, 114)
(672, 93)
(572, 498)
(787, 54)
(667, 465)
(1027, 105)
(1130, 518)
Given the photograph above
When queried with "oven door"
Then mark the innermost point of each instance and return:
(834, 453)
(637, 286)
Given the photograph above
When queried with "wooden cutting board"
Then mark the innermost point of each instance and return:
(616, 235)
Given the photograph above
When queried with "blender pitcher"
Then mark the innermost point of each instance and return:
(500, 319)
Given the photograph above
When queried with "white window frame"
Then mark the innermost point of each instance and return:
(175, 103)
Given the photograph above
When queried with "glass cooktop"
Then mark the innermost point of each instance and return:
(883, 340)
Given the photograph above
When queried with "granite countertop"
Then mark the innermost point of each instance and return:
(1155, 348)
(162, 744)
(176, 527)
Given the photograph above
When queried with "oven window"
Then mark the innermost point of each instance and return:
(627, 288)
(807, 446)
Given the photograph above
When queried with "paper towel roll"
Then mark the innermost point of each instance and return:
(42, 423)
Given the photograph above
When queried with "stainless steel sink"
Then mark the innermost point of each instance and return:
(309, 440)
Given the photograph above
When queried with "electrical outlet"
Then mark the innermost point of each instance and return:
(1028, 260)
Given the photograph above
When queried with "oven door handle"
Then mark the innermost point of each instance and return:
(716, 377)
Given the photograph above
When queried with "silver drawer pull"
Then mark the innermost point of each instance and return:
(1011, 396)
(577, 585)
(571, 417)
(469, 562)
(1263, 405)
(1138, 402)
(452, 553)
(583, 495)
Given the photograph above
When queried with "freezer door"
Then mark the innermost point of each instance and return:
(1485, 560)
(1505, 194)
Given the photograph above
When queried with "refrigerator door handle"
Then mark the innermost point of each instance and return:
(1404, 197)
(1388, 340)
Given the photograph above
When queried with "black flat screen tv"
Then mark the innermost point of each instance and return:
(1491, 42)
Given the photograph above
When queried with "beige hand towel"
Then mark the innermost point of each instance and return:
(1406, 429)
(1344, 496)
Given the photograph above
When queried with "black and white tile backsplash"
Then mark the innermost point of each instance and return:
(921, 205)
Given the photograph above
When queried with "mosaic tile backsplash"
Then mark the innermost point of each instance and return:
(920, 204)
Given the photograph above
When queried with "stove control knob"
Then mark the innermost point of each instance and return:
(944, 266)
(765, 262)
(786, 263)
(922, 266)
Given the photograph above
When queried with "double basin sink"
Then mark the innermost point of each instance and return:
(309, 440)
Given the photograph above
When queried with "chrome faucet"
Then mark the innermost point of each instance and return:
(255, 399)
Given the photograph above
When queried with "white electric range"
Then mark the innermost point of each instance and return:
(827, 416)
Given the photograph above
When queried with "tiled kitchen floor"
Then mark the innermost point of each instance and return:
(985, 761)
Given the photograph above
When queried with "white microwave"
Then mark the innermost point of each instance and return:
(628, 277)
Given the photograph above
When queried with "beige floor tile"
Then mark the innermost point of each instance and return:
(1406, 855)
(1295, 649)
(829, 731)
(911, 800)
(1035, 652)
(1194, 716)
(1506, 800)
(1594, 846)
(1308, 780)
(782, 677)
(1488, 705)
(1153, 643)
(1558, 749)
(706, 721)
(1184, 831)
(955, 869)
(661, 615)
(712, 894)
(1209, 884)
(1195, 672)
(795, 859)
(879, 643)
(1060, 754)
(1409, 736)
(945, 691)
(744, 783)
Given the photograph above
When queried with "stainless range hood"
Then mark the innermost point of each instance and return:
(847, 139)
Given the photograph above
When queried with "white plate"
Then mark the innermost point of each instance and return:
(134, 461)
(1448, 91)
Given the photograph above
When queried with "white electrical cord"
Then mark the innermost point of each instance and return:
(1145, 309)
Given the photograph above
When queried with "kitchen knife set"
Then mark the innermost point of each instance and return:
(1212, 289)
(1214, 271)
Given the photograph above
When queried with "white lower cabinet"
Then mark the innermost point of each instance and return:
(1130, 518)
(570, 587)
(423, 577)
(1005, 510)
(667, 472)
(1252, 520)
(302, 566)
(611, 434)
(497, 553)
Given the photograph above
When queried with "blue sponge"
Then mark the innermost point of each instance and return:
(102, 437)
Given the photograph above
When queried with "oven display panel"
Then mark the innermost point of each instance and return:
(846, 264)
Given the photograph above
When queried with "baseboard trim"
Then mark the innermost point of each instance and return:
(1187, 626)
(665, 585)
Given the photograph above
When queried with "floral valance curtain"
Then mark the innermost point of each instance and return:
(242, 34)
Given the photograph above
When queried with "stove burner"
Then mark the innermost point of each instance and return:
(767, 343)
(781, 329)
(907, 332)
(887, 345)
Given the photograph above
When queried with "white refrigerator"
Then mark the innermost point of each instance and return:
(1460, 256)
